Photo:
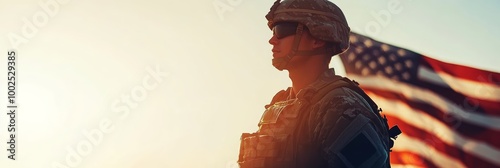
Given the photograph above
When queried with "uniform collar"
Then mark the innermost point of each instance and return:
(323, 79)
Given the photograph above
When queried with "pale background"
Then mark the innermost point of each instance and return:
(91, 53)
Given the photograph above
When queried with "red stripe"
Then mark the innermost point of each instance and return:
(410, 158)
(461, 71)
(433, 141)
(475, 105)
(460, 126)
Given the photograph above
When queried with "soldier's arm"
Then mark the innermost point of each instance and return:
(345, 134)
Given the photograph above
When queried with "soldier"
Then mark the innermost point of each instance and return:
(322, 120)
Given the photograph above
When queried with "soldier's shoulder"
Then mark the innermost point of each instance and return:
(335, 95)
(279, 96)
(340, 100)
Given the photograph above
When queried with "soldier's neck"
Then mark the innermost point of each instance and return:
(303, 77)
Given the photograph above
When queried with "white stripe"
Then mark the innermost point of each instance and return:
(429, 97)
(482, 91)
(405, 143)
(428, 123)
(427, 75)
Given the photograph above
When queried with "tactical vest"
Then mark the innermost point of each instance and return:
(275, 144)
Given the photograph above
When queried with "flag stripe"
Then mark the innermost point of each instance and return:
(415, 145)
(459, 71)
(409, 158)
(463, 127)
(425, 122)
(407, 166)
(437, 144)
(478, 90)
(429, 97)
(472, 105)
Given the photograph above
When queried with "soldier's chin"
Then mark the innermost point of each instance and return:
(275, 54)
(279, 66)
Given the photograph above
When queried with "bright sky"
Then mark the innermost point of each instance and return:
(83, 64)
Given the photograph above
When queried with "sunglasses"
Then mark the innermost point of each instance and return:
(284, 29)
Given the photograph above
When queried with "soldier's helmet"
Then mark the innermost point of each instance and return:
(323, 18)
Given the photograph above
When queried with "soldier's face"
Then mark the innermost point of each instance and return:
(283, 41)
(281, 47)
(284, 37)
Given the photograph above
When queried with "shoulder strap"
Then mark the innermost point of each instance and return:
(338, 82)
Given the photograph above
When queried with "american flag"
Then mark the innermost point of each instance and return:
(449, 113)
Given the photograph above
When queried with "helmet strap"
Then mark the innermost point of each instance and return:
(317, 51)
(281, 63)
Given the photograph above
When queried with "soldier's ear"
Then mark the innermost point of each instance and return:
(314, 42)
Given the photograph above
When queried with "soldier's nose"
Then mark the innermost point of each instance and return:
(273, 40)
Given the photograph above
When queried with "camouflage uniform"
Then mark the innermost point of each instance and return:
(319, 128)
(329, 123)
